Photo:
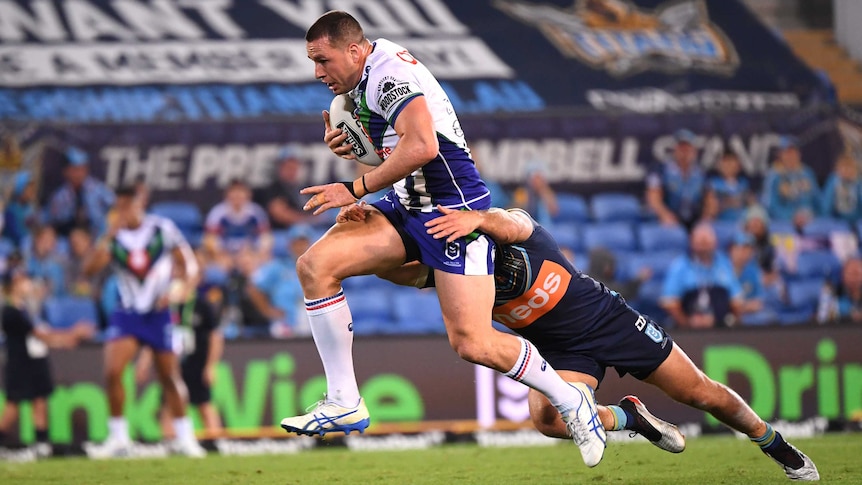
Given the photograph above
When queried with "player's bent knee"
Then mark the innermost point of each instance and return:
(305, 270)
(312, 269)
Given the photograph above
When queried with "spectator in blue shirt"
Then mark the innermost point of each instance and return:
(755, 294)
(728, 193)
(842, 194)
(81, 200)
(700, 289)
(238, 223)
(43, 263)
(675, 188)
(535, 195)
(845, 303)
(20, 214)
(275, 290)
(789, 185)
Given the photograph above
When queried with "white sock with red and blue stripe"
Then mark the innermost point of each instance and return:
(332, 328)
(532, 370)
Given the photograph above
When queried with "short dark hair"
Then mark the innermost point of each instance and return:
(237, 183)
(338, 26)
(729, 153)
(126, 191)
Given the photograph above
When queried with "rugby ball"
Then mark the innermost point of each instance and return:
(341, 117)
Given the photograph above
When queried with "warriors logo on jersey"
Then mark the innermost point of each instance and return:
(139, 261)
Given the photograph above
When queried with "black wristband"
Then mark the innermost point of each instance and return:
(349, 187)
(365, 187)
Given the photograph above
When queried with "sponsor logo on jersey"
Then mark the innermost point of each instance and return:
(548, 289)
(390, 91)
(653, 333)
(623, 39)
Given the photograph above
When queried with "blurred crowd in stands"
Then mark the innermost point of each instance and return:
(700, 249)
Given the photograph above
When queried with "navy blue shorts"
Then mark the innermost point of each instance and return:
(472, 255)
(151, 329)
(631, 343)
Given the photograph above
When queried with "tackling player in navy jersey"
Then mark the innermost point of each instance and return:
(407, 115)
(582, 327)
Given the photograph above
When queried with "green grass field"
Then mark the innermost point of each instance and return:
(713, 460)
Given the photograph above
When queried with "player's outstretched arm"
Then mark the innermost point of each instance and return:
(504, 227)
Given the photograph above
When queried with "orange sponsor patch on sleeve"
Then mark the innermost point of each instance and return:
(547, 290)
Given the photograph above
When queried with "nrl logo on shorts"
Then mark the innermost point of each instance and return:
(623, 39)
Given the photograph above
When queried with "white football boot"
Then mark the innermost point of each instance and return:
(805, 470)
(585, 427)
(111, 448)
(327, 417)
(659, 432)
(189, 447)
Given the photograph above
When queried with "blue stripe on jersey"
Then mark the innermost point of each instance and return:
(401, 107)
(376, 127)
(451, 178)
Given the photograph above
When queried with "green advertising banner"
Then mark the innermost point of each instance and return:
(789, 374)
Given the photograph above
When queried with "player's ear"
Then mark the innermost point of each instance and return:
(354, 51)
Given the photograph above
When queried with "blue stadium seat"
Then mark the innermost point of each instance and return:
(725, 231)
(7, 247)
(573, 208)
(659, 237)
(369, 304)
(658, 261)
(823, 226)
(623, 265)
(615, 207)
(185, 215)
(567, 235)
(581, 261)
(802, 296)
(821, 264)
(616, 236)
(781, 227)
(804, 293)
(215, 275)
(65, 311)
(280, 238)
(418, 312)
(368, 282)
(193, 236)
(859, 228)
(767, 316)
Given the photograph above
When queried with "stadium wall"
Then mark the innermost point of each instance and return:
(793, 375)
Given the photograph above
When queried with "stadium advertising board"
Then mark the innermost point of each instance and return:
(789, 374)
(176, 60)
(584, 154)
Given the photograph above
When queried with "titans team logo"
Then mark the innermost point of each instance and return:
(623, 39)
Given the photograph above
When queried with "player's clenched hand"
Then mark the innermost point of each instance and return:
(354, 213)
(334, 139)
(327, 197)
(453, 223)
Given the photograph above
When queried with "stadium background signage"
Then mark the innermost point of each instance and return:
(150, 61)
(586, 154)
(789, 374)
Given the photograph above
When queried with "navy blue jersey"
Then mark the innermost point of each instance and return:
(541, 296)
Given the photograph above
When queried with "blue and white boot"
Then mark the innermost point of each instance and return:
(327, 417)
(585, 427)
